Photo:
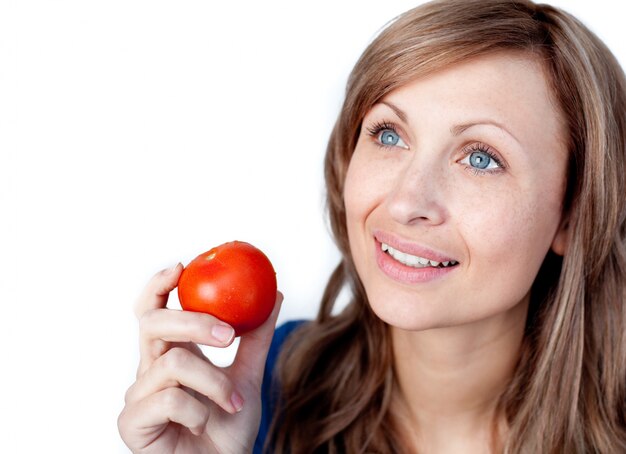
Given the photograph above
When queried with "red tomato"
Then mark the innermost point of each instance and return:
(234, 282)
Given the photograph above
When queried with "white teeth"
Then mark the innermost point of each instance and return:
(408, 259)
(413, 260)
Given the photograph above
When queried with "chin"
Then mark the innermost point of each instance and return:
(410, 316)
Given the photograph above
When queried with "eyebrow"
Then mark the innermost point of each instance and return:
(456, 129)
(459, 129)
(399, 112)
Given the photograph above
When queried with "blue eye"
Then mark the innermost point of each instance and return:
(388, 137)
(385, 134)
(480, 160)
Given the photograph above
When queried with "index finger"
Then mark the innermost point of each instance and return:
(155, 294)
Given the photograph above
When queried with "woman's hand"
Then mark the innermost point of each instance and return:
(181, 402)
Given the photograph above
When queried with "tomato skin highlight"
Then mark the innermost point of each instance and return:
(234, 282)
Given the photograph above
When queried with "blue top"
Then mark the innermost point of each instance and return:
(269, 396)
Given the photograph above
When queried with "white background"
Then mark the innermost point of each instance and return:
(136, 134)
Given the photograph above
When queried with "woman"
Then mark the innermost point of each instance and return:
(476, 192)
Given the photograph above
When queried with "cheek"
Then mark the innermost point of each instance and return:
(364, 188)
(356, 201)
(508, 240)
(364, 191)
(350, 193)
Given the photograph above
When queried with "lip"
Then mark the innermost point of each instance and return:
(408, 274)
(410, 247)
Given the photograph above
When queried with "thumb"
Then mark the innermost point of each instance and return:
(253, 347)
(155, 293)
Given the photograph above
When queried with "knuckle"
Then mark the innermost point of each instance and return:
(129, 394)
(222, 384)
(122, 422)
(171, 400)
(203, 422)
(198, 325)
(147, 320)
(175, 358)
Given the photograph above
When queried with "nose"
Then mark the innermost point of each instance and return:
(417, 196)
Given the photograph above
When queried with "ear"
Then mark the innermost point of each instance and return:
(561, 237)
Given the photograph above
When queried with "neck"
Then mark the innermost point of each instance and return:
(449, 380)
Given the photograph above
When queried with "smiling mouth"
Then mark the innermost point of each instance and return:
(415, 261)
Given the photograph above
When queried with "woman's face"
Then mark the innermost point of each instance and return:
(454, 192)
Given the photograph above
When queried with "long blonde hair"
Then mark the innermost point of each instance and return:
(568, 393)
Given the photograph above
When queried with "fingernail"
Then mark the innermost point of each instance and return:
(237, 401)
(223, 333)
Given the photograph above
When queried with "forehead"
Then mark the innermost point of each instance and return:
(511, 88)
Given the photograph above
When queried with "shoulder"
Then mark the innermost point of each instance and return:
(269, 391)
